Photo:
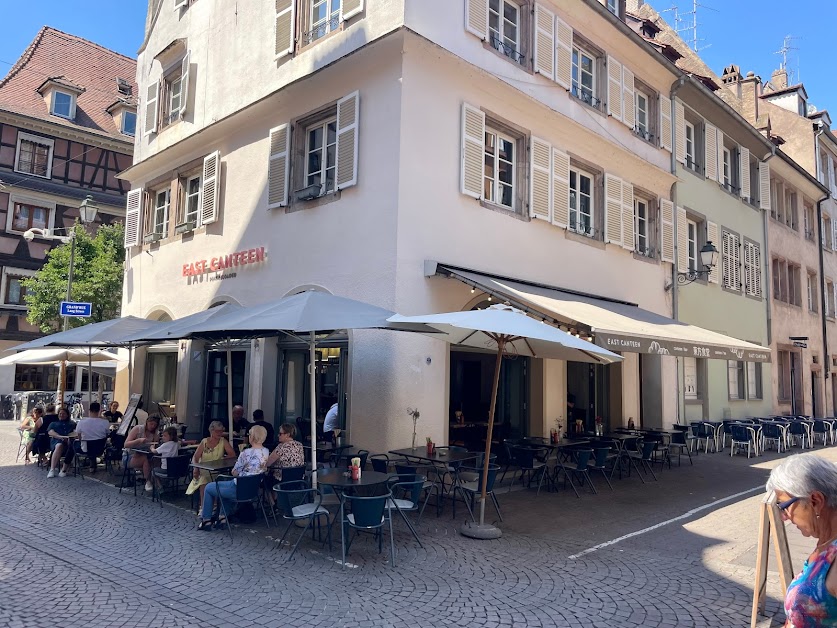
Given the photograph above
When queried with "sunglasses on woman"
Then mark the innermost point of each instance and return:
(783, 506)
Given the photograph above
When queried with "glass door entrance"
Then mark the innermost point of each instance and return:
(588, 396)
(216, 385)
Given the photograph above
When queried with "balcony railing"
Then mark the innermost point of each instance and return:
(583, 228)
(647, 135)
(586, 96)
(646, 251)
(321, 30)
(505, 49)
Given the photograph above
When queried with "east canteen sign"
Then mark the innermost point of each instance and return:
(236, 260)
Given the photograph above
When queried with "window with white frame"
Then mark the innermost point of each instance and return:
(643, 114)
(34, 155)
(174, 91)
(129, 122)
(613, 7)
(826, 237)
(829, 299)
(160, 215)
(691, 381)
(321, 155)
(691, 146)
(325, 18)
(504, 27)
(754, 381)
(500, 185)
(582, 202)
(692, 239)
(13, 289)
(727, 169)
(191, 199)
(584, 76)
(735, 379)
(642, 227)
(63, 104)
(812, 292)
(809, 221)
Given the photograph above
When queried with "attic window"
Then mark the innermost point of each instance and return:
(63, 104)
(124, 87)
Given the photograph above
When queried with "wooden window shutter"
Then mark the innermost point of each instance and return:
(712, 236)
(744, 172)
(184, 85)
(628, 237)
(628, 95)
(151, 104)
(563, 53)
(210, 188)
(666, 230)
(544, 52)
(133, 217)
(719, 138)
(560, 188)
(476, 18)
(665, 123)
(680, 131)
(764, 185)
(711, 158)
(278, 167)
(348, 114)
(473, 147)
(540, 193)
(613, 209)
(350, 8)
(614, 88)
(284, 27)
(682, 241)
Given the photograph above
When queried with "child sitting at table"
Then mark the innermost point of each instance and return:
(169, 447)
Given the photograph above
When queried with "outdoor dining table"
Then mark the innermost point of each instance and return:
(441, 461)
(215, 466)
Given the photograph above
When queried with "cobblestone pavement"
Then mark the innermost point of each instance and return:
(77, 553)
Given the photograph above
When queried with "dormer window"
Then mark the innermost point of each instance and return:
(124, 116)
(129, 123)
(63, 105)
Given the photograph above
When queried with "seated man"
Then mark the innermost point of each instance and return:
(258, 419)
(59, 432)
(93, 431)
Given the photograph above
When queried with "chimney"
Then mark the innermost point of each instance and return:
(749, 92)
(779, 79)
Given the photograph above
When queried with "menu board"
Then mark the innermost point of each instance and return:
(129, 416)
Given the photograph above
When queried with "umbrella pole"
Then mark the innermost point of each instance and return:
(483, 531)
(312, 376)
(130, 369)
(230, 394)
(89, 376)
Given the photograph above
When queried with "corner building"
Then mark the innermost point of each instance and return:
(423, 156)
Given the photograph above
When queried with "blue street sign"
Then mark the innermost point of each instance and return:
(80, 310)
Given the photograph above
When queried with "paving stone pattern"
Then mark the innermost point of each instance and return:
(77, 553)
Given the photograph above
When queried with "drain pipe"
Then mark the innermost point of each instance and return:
(675, 87)
(766, 262)
(825, 358)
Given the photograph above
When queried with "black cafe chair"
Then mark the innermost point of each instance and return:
(177, 470)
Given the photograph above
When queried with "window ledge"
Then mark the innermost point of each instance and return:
(645, 258)
(693, 402)
(502, 209)
(597, 108)
(32, 174)
(520, 64)
(583, 239)
(753, 297)
(303, 47)
(695, 172)
(325, 199)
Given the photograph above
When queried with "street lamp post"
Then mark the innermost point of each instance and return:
(87, 214)
(708, 259)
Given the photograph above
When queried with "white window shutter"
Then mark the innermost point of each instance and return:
(473, 148)
(184, 84)
(764, 185)
(712, 236)
(735, 241)
(613, 209)
(831, 176)
(710, 144)
(563, 53)
(544, 52)
(680, 128)
(726, 260)
(834, 235)
(720, 142)
(666, 230)
(179, 4)
(665, 123)
(210, 187)
(628, 237)
(560, 188)
(350, 8)
(151, 100)
(744, 172)
(283, 30)
(628, 95)
(133, 217)
(540, 192)
(476, 18)
(749, 286)
(348, 122)
(756, 259)
(278, 167)
(614, 88)
(682, 241)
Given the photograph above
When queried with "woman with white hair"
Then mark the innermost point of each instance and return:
(805, 487)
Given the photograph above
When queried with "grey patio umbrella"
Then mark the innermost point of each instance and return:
(303, 316)
(507, 330)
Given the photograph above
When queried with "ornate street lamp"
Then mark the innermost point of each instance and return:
(708, 259)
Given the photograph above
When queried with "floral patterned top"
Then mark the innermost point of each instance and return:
(252, 461)
(808, 603)
(291, 454)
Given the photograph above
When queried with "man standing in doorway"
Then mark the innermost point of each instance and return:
(332, 420)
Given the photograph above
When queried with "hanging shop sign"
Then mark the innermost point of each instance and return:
(680, 348)
(224, 266)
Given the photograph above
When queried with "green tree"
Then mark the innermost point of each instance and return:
(97, 279)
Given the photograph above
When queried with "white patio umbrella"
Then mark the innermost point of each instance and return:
(507, 330)
(304, 316)
(53, 355)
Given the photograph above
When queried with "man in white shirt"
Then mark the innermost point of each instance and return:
(332, 420)
(93, 432)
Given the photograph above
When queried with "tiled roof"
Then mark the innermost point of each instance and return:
(77, 62)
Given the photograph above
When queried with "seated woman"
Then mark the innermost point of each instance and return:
(289, 453)
(214, 447)
(41, 444)
(29, 426)
(140, 435)
(252, 461)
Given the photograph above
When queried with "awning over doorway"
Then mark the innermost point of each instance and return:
(615, 325)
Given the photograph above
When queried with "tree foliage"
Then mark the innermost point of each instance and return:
(97, 279)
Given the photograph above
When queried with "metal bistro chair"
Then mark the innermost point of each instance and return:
(581, 468)
(772, 433)
(471, 488)
(368, 514)
(644, 457)
(406, 496)
(679, 445)
(527, 458)
(822, 429)
(24, 440)
(601, 457)
(799, 430)
(741, 435)
(177, 469)
(95, 449)
(428, 485)
(508, 446)
(298, 502)
(246, 491)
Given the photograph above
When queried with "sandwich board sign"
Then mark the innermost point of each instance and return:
(771, 527)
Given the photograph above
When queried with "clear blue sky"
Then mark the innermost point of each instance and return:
(114, 24)
(748, 32)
